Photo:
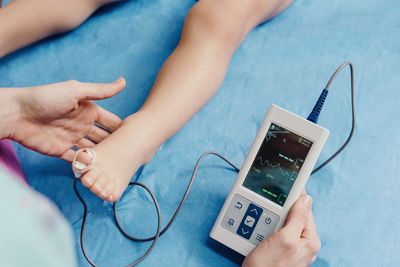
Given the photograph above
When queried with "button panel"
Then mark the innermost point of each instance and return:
(249, 220)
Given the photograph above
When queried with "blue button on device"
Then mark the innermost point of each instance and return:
(249, 221)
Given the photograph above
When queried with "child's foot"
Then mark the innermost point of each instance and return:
(118, 157)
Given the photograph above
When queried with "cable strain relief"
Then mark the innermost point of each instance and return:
(313, 117)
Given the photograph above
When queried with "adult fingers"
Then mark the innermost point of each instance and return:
(107, 119)
(97, 91)
(313, 259)
(97, 134)
(310, 235)
(305, 257)
(310, 230)
(298, 217)
(84, 143)
(68, 155)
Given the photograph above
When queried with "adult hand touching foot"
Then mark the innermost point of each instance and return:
(51, 119)
(295, 245)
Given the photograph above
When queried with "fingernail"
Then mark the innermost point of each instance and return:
(89, 180)
(308, 201)
(97, 187)
(119, 80)
(313, 259)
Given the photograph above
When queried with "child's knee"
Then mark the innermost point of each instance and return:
(224, 20)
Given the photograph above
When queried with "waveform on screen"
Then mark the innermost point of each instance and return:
(266, 163)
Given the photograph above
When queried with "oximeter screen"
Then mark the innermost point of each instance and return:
(277, 164)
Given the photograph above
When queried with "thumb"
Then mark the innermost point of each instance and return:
(298, 216)
(97, 91)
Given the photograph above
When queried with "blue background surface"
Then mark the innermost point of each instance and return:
(286, 61)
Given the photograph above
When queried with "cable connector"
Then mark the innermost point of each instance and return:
(313, 117)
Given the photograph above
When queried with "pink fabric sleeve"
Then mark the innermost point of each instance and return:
(9, 159)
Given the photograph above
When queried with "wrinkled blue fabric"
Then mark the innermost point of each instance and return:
(286, 61)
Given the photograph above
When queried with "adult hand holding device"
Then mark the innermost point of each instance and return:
(51, 119)
(294, 245)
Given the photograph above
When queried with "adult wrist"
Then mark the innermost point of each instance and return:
(10, 112)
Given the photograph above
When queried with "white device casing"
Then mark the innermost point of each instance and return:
(291, 122)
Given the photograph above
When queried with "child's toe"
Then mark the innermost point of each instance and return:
(107, 190)
(99, 185)
(112, 198)
(117, 194)
(90, 178)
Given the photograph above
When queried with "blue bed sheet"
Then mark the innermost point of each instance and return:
(286, 61)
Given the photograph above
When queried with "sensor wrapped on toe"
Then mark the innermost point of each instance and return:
(87, 159)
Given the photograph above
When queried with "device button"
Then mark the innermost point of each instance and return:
(266, 228)
(245, 231)
(230, 223)
(234, 213)
(260, 237)
(238, 205)
(249, 221)
(254, 211)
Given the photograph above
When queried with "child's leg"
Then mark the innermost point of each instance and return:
(23, 22)
(189, 78)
